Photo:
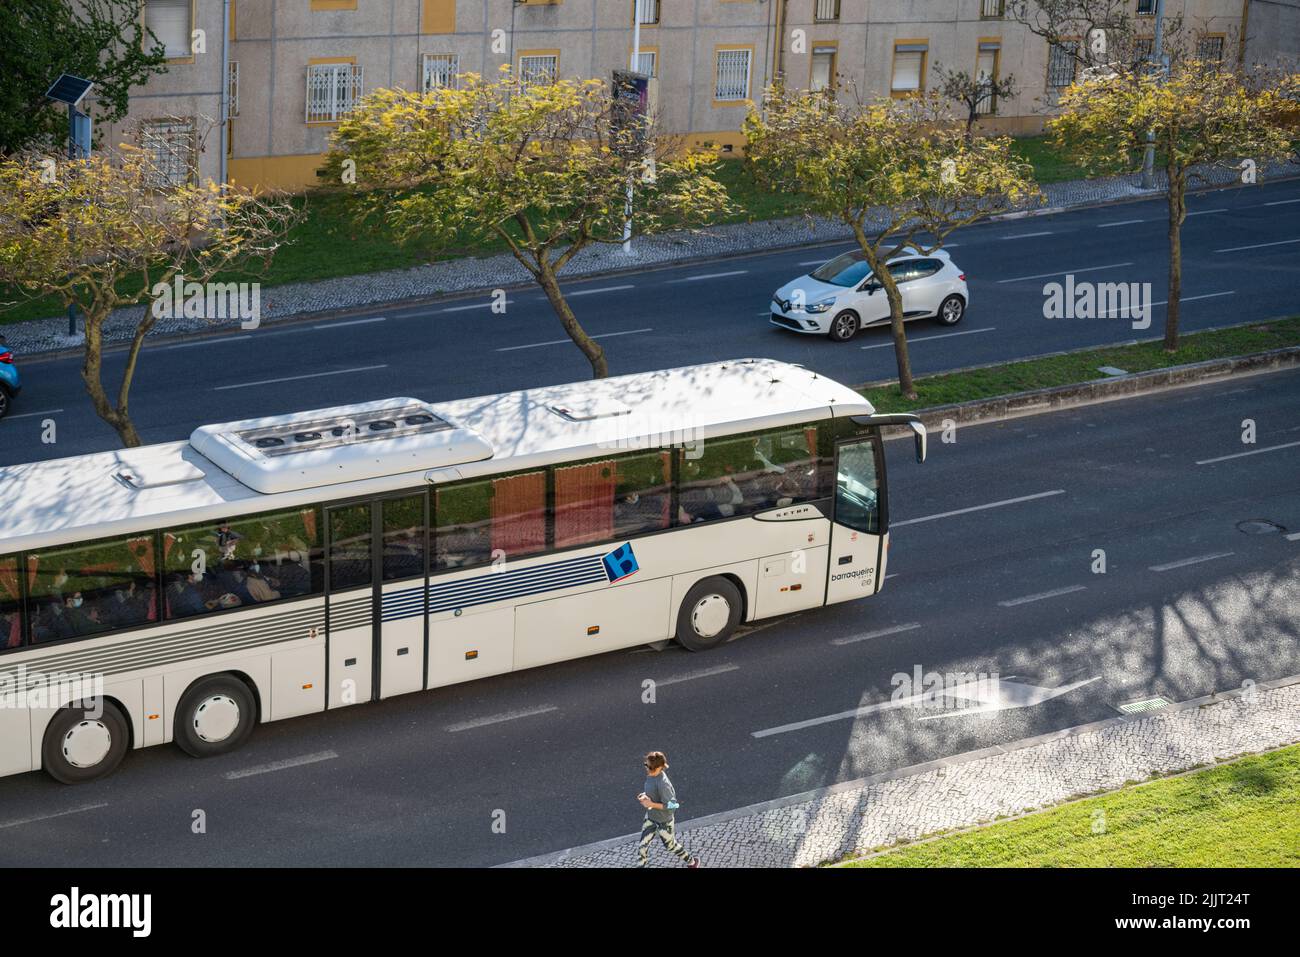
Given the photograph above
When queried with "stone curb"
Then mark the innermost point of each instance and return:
(722, 817)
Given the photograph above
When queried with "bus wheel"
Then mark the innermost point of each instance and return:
(709, 614)
(81, 745)
(215, 715)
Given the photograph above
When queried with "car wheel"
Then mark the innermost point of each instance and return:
(4, 401)
(215, 715)
(951, 310)
(844, 326)
(81, 745)
(709, 614)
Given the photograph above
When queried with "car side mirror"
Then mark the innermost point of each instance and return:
(870, 287)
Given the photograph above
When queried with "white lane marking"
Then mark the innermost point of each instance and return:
(1293, 537)
(1012, 602)
(876, 634)
(1062, 272)
(561, 342)
(1045, 232)
(1203, 212)
(711, 275)
(498, 718)
(978, 508)
(592, 292)
(1237, 455)
(1164, 302)
(1282, 202)
(202, 342)
(1183, 563)
(19, 822)
(281, 765)
(30, 415)
(702, 673)
(350, 322)
(1122, 222)
(816, 262)
(475, 305)
(942, 335)
(1280, 242)
(295, 378)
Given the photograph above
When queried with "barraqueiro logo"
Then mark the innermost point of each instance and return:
(620, 563)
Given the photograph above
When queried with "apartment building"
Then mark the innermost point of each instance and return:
(295, 67)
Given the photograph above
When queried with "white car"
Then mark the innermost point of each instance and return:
(841, 296)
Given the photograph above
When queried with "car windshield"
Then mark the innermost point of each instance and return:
(847, 270)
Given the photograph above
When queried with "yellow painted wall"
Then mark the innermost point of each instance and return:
(438, 16)
(290, 173)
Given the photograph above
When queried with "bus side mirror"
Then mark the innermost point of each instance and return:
(919, 429)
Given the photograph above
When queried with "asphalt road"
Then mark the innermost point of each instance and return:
(991, 571)
(1240, 263)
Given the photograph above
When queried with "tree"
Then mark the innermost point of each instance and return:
(1199, 114)
(905, 159)
(974, 93)
(544, 167)
(107, 232)
(101, 40)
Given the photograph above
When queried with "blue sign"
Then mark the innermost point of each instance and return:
(620, 563)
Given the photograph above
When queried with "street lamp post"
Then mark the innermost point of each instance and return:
(71, 91)
(1157, 51)
(636, 59)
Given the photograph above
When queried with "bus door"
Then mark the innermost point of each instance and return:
(375, 586)
(857, 531)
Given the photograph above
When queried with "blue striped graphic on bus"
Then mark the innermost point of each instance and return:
(620, 563)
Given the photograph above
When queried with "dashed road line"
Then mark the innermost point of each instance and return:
(1063, 272)
(1054, 593)
(562, 342)
(296, 378)
(1046, 232)
(498, 718)
(1122, 222)
(881, 633)
(350, 322)
(942, 335)
(1205, 212)
(201, 342)
(978, 508)
(1239, 455)
(1184, 562)
(711, 275)
(1236, 249)
(281, 765)
(592, 292)
(475, 305)
(37, 818)
(30, 415)
(692, 675)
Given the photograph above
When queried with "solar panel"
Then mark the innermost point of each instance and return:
(69, 89)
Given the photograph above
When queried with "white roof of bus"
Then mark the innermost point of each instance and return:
(107, 493)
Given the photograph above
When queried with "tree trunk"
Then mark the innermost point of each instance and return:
(92, 368)
(1177, 214)
(895, 298)
(550, 284)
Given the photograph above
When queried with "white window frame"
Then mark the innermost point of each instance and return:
(178, 11)
(733, 91)
(826, 11)
(338, 88)
(920, 50)
(654, 62)
(647, 12)
(450, 71)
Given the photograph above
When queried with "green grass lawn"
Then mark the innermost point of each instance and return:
(1242, 814)
(1049, 165)
(1082, 366)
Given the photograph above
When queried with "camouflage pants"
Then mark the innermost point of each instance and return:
(649, 830)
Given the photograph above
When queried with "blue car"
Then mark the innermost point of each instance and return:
(10, 386)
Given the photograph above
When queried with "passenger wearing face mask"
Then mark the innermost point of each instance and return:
(258, 585)
(79, 620)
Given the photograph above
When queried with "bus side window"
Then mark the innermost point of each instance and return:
(404, 539)
(611, 498)
(479, 521)
(11, 621)
(93, 588)
(857, 499)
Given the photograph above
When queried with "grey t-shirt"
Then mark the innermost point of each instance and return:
(660, 790)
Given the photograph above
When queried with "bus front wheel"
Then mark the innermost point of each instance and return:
(82, 744)
(709, 614)
(215, 715)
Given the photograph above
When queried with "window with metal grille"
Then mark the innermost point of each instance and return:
(647, 11)
(440, 71)
(538, 68)
(1146, 8)
(169, 21)
(169, 146)
(986, 74)
(826, 10)
(1210, 49)
(732, 75)
(1144, 47)
(233, 84)
(993, 9)
(1061, 64)
(646, 62)
(333, 89)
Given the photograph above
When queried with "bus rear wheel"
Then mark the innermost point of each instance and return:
(215, 715)
(82, 744)
(709, 614)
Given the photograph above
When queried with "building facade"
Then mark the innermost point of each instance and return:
(295, 67)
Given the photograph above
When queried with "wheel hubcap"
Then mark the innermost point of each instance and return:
(87, 743)
(216, 718)
(844, 327)
(710, 615)
(952, 310)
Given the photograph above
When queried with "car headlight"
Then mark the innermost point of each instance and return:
(821, 306)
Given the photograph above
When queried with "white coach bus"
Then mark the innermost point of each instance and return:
(287, 565)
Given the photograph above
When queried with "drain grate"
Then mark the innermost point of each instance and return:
(1144, 704)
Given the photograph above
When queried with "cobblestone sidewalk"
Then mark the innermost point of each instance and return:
(502, 271)
(859, 816)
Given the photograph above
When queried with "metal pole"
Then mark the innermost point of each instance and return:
(636, 57)
(1157, 51)
(225, 89)
(72, 155)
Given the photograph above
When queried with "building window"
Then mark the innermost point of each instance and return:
(170, 22)
(647, 11)
(441, 71)
(826, 11)
(823, 68)
(731, 81)
(647, 62)
(1061, 64)
(1210, 50)
(992, 9)
(1146, 8)
(986, 73)
(232, 82)
(1143, 47)
(909, 68)
(333, 90)
(538, 68)
(169, 148)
